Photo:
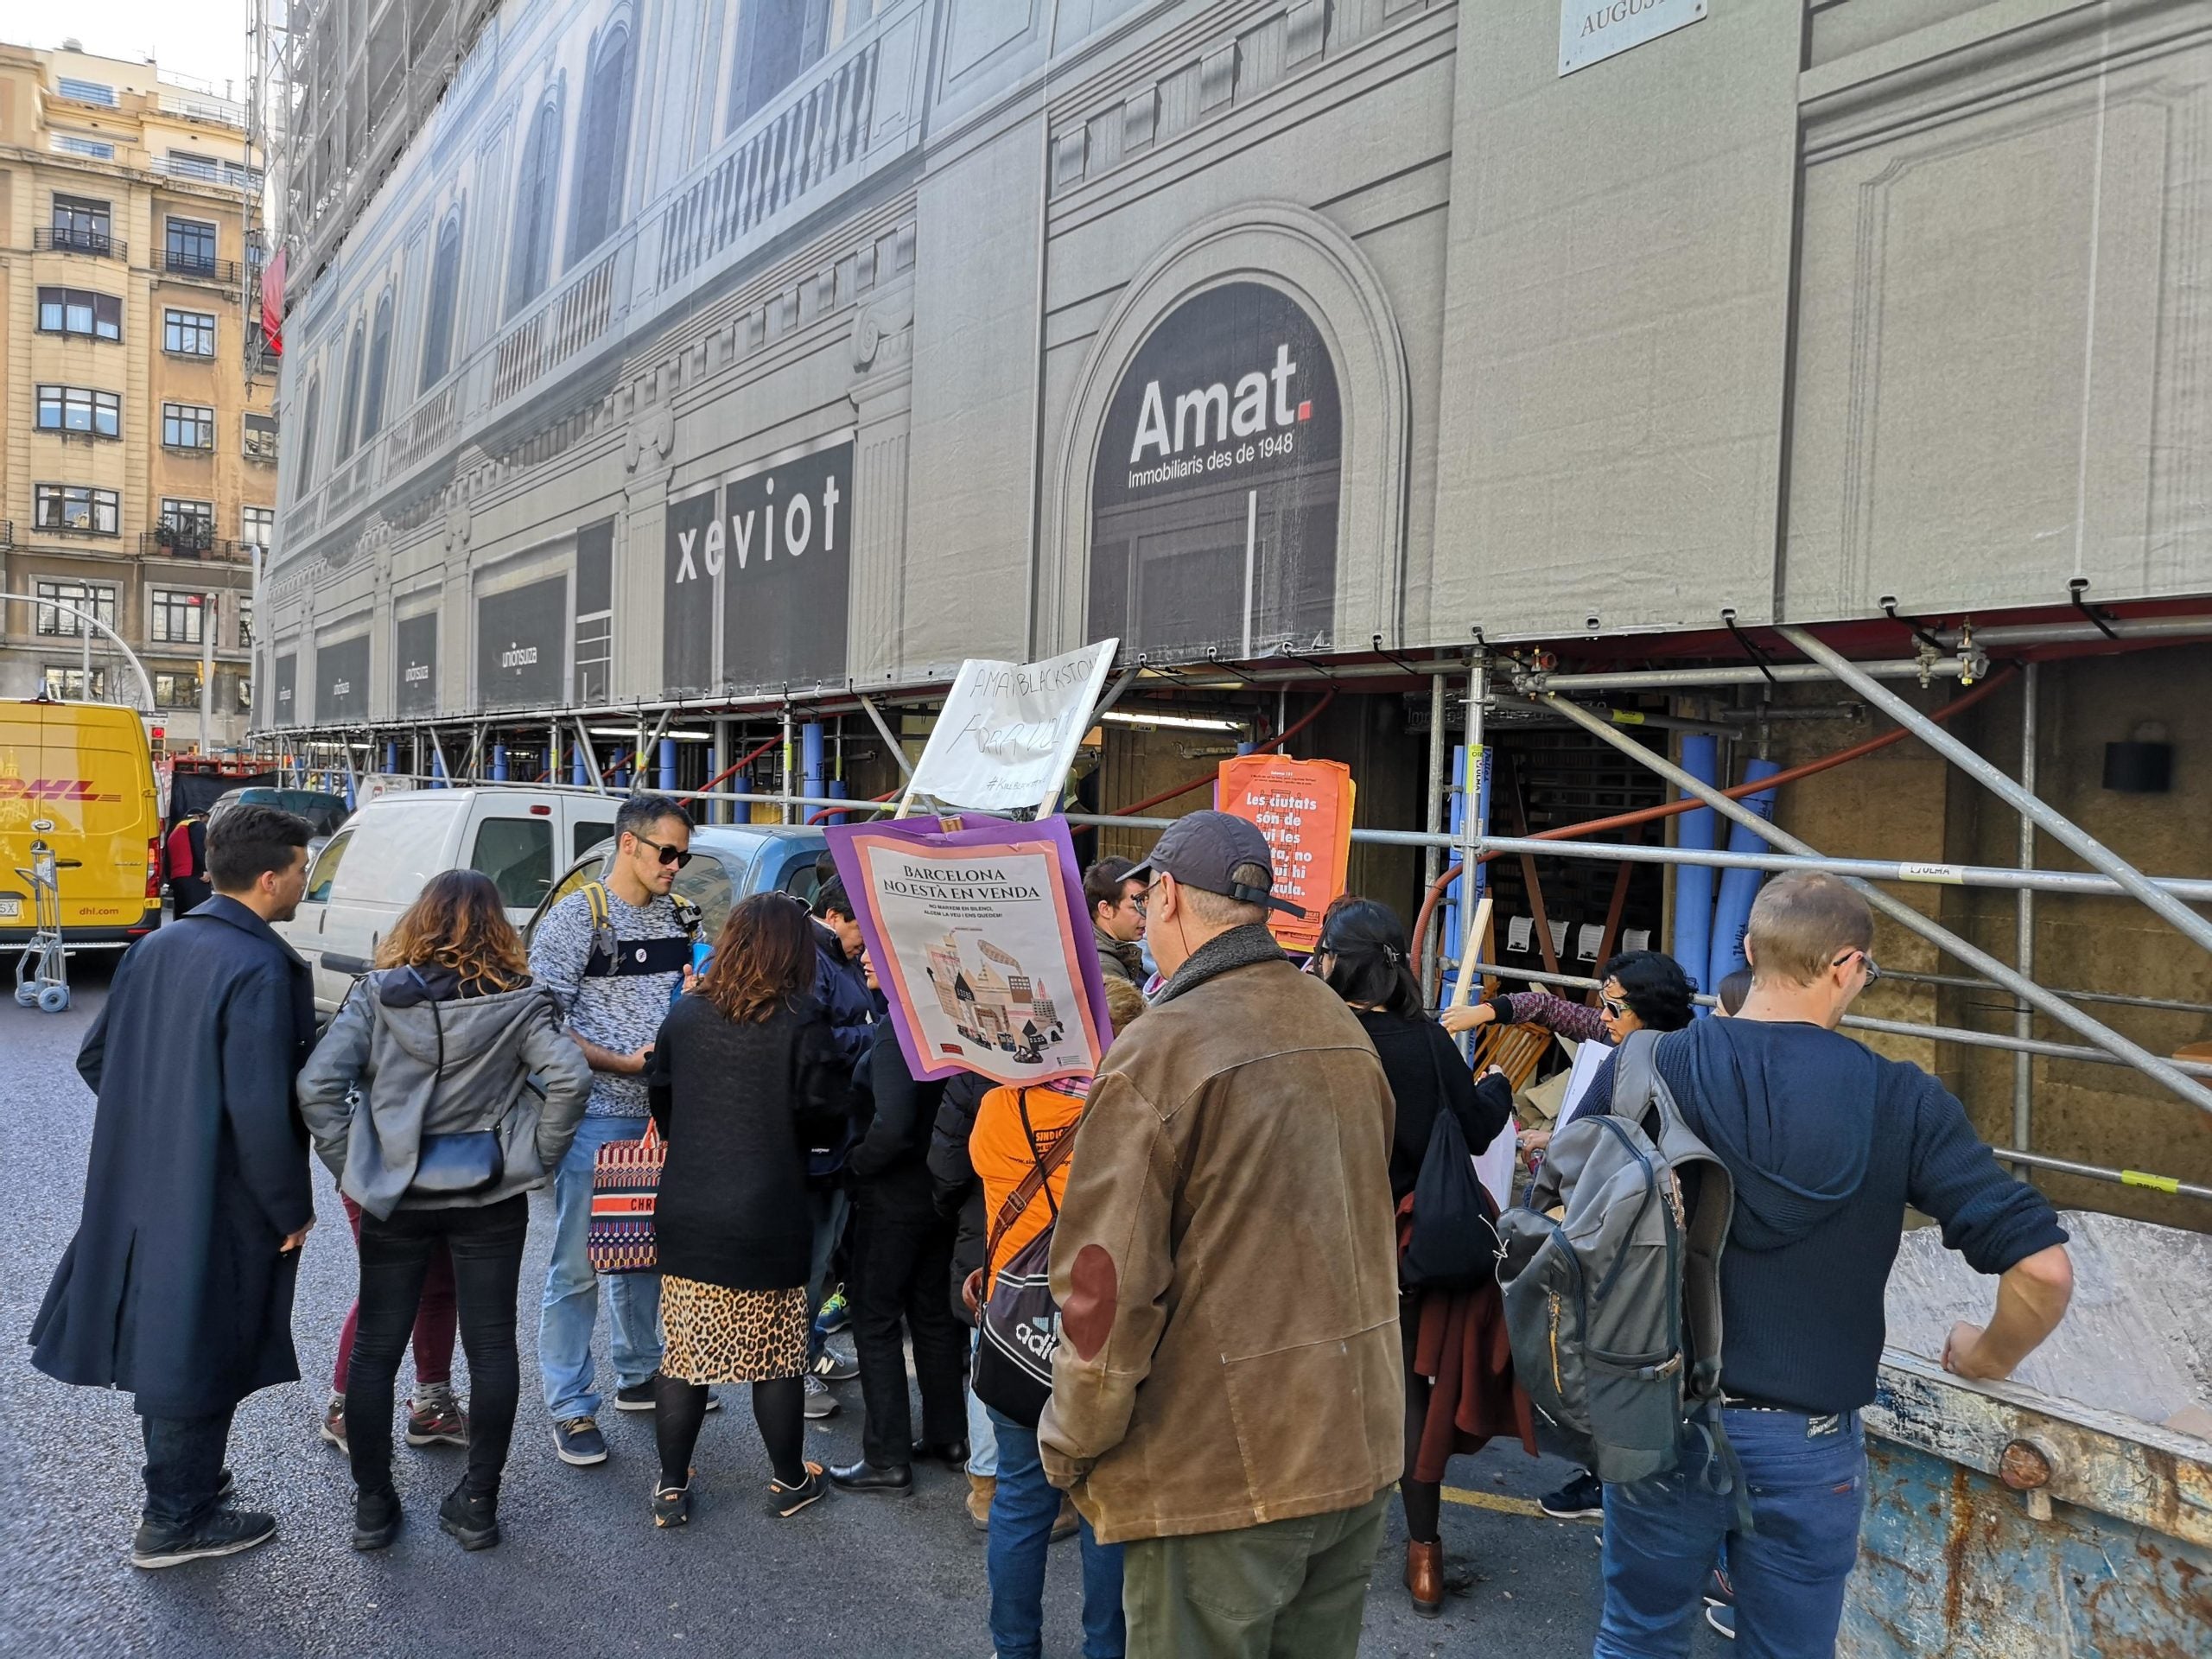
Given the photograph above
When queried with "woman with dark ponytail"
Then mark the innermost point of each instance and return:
(1363, 957)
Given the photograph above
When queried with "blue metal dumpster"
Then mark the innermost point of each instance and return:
(2011, 1520)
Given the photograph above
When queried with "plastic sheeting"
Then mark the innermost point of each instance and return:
(2138, 1339)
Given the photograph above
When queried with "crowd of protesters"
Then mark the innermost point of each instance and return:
(1239, 1380)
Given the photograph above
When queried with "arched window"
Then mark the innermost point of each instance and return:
(528, 263)
(602, 144)
(310, 406)
(379, 360)
(349, 401)
(445, 292)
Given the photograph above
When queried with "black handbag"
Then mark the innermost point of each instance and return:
(453, 1165)
(1454, 1244)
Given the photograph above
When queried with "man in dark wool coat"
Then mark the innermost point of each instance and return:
(178, 1285)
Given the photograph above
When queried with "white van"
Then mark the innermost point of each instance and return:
(375, 866)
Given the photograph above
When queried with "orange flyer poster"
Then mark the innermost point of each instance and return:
(1304, 809)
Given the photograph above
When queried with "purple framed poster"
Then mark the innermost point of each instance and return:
(980, 939)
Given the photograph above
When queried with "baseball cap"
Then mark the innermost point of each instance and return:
(1203, 849)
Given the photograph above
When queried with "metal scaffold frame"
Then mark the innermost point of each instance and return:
(1534, 687)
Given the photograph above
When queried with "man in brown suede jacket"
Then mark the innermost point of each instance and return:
(1226, 1392)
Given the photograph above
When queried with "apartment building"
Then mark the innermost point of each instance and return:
(137, 464)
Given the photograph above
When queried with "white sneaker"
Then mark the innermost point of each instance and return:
(820, 1402)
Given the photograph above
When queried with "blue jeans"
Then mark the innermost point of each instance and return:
(184, 1465)
(983, 1437)
(570, 1311)
(1663, 1536)
(1023, 1509)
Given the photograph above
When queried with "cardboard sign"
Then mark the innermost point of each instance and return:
(1009, 731)
(981, 941)
(1304, 809)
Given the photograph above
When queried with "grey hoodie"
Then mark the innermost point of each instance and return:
(385, 1045)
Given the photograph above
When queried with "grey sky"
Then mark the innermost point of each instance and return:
(204, 39)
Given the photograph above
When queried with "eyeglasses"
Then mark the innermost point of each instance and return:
(667, 855)
(1873, 972)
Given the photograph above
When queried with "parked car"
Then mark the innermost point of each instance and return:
(324, 812)
(729, 861)
(373, 867)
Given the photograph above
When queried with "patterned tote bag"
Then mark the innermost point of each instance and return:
(625, 1186)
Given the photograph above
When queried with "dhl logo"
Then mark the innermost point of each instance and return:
(51, 789)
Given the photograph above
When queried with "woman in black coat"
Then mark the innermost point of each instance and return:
(902, 1255)
(1363, 957)
(743, 1071)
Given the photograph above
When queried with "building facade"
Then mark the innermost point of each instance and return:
(682, 370)
(138, 470)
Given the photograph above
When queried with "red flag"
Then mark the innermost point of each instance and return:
(272, 305)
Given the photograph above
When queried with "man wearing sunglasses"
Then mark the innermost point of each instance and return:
(614, 958)
(1826, 1144)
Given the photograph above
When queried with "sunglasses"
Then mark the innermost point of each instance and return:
(1617, 1007)
(666, 855)
(1873, 972)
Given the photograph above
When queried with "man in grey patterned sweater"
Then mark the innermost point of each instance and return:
(615, 981)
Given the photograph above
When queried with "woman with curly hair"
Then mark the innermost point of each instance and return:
(743, 1073)
(420, 1099)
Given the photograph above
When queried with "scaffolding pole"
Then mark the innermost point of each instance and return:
(1979, 959)
(591, 756)
(2024, 923)
(1871, 869)
(1439, 753)
(2051, 822)
(883, 729)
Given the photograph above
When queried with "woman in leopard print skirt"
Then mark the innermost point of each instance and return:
(743, 1071)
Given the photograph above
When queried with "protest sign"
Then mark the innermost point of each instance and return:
(1009, 731)
(1304, 809)
(981, 942)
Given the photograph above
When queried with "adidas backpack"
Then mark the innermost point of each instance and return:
(1613, 1307)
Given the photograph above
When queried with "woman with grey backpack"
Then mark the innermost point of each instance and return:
(443, 1091)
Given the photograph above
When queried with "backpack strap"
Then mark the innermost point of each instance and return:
(1040, 1172)
(1636, 1078)
(600, 960)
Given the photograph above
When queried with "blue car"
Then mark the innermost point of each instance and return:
(729, 861)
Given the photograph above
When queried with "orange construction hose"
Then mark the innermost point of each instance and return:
(1958, 705)
(1274, 742)
(829, 811)
(736, 767)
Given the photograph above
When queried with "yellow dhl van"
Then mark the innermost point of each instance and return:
(79, 776)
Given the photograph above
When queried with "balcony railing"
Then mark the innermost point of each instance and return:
(191, 265)
(7, 533)
(213, 170)
(189, 542)
(220, 110)
(60, 239)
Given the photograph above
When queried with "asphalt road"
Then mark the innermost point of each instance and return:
(583, 1570)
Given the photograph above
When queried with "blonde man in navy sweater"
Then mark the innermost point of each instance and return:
(1829, 1143)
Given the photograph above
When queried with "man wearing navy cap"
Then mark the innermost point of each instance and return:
(1226, 1393)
